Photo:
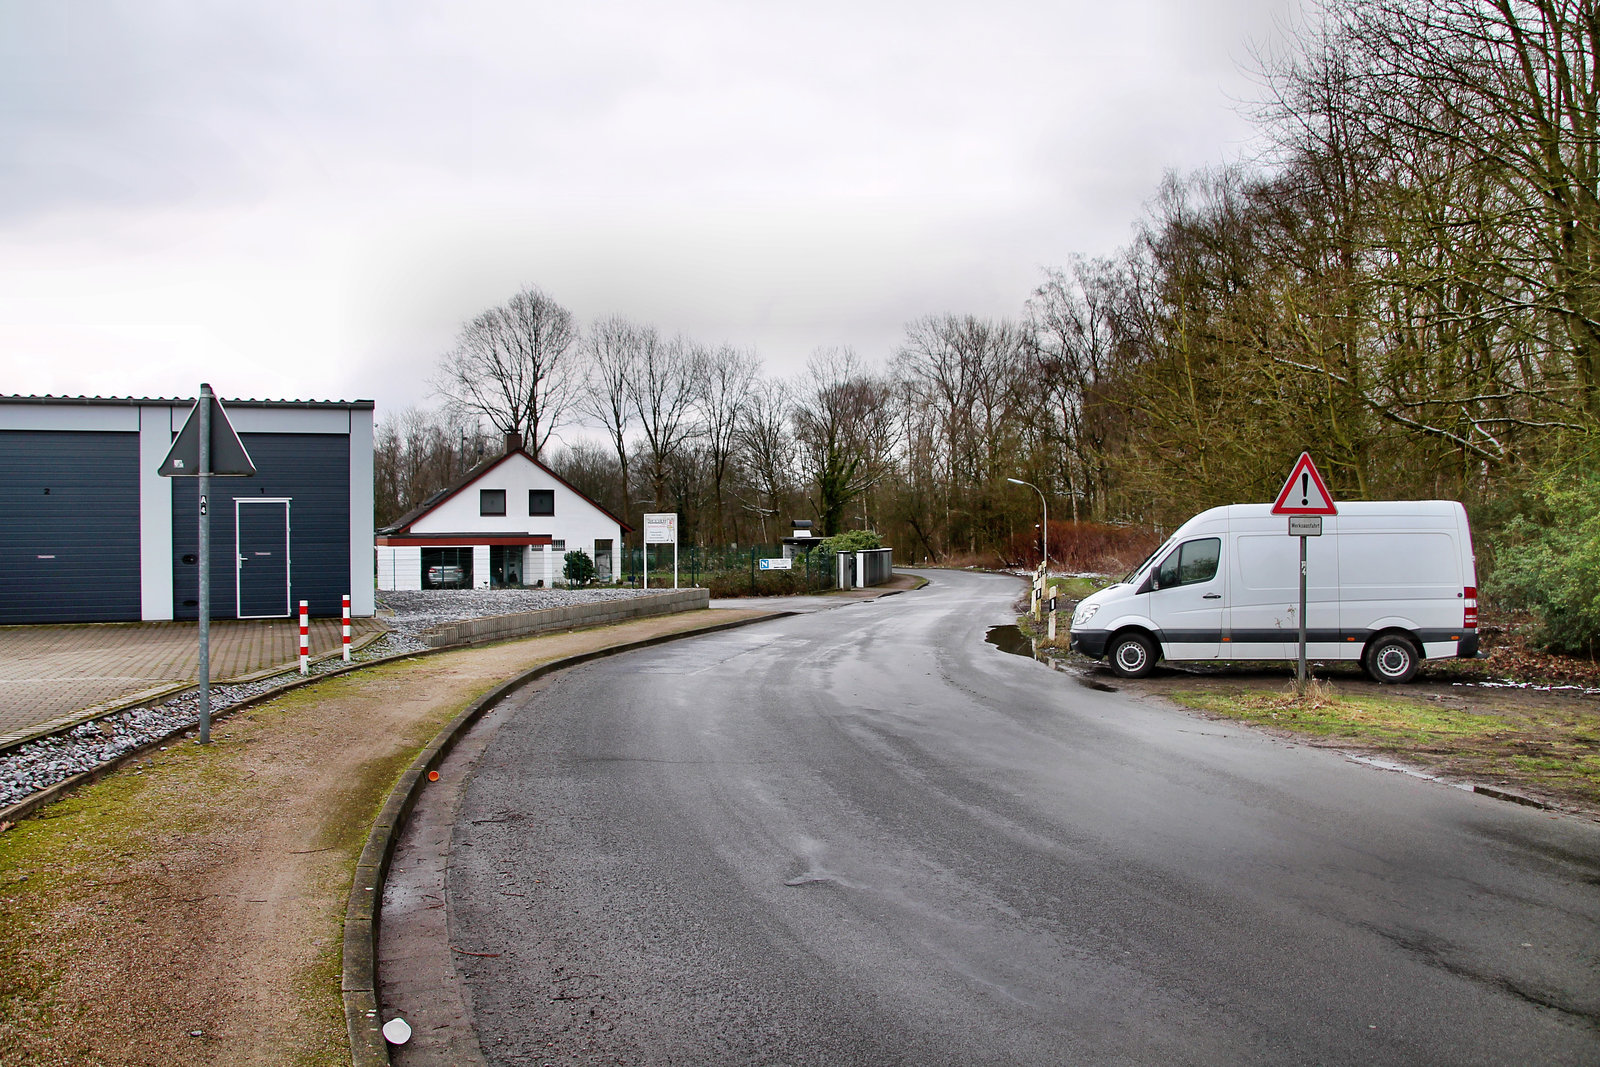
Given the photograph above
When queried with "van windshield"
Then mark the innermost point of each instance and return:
(1127, 579)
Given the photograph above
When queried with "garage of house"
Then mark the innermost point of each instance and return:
(89, 532)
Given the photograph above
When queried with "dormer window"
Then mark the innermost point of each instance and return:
(491, 501)
(541, 501)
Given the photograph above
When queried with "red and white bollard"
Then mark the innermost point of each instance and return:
(305, 638)
(347, 627)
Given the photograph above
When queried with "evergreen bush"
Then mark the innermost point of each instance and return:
(579, 569)
(852, 541)
(1548, 564)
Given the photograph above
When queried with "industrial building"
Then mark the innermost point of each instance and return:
(90, 532)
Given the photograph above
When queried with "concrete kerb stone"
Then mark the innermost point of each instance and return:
(363, 1004)
(360, 967)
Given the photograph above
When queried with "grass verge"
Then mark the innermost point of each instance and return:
(1550, 751)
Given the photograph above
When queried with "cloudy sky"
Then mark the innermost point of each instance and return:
(307, 199)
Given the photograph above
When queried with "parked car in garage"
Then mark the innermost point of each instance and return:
(447, 576)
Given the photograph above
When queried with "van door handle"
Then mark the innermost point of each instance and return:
(1212, 596)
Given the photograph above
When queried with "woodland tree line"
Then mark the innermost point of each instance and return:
(1405, 285)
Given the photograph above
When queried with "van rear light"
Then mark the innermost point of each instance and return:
(1469, 614)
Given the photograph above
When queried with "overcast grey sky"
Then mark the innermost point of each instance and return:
(307, 199)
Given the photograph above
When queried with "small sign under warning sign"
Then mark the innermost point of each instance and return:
(1305, 525)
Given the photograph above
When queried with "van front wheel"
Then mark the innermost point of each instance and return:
(1132, 655)
(1392, 659)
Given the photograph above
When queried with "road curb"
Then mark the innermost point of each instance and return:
(359, 981)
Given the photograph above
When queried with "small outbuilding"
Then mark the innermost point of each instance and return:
(89, 532)
(507, 523)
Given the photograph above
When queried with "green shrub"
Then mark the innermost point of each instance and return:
(852, 541)
(579, 569)
(1549, 564)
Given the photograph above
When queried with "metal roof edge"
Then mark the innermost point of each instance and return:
(136, 401)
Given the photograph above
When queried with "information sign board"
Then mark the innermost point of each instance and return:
(661, 528)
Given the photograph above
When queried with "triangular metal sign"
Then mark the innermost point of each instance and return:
(1305, 493)
(228, 455)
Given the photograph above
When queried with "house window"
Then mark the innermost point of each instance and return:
(558, 546)
(491, 501)
(541, 501)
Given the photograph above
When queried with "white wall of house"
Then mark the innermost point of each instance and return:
(576, 521)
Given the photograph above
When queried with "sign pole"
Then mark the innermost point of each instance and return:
(1300, 671)
(1305, 499)
(205, 565)
(194, 454)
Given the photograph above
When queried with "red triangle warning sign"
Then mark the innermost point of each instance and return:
(1305, 493)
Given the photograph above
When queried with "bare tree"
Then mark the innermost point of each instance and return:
(963, 374)
(845, 425)
(1069, 344)
(416, 453)
(766, 445)
(512, 365)
(724, 389)
(663, 396)
(614, 349)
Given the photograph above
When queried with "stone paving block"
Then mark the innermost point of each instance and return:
(51, 672)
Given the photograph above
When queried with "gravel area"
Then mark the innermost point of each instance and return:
(40, 764)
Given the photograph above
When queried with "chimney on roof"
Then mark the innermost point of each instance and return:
(513, 441)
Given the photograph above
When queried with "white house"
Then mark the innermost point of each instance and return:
(509, 523)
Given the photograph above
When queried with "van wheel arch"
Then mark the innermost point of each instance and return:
(1132, 652)
(1392, 657)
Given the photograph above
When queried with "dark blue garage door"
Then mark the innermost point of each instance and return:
(312, 472)
(69, 526)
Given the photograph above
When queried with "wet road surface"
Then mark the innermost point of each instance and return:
(866, 836)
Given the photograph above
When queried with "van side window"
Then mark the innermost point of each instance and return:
(1192, 563)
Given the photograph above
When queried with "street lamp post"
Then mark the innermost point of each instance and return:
(1046, 505)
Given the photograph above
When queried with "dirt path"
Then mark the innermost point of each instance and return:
(188, 909)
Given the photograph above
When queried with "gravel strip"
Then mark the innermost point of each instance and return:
(40, 764)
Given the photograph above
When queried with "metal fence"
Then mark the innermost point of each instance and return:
(732, 571)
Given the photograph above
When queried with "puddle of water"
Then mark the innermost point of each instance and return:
(1010, 639)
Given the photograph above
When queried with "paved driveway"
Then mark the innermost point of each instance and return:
(52, 673)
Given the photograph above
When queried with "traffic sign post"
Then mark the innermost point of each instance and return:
(1304, 498)
(206, 445)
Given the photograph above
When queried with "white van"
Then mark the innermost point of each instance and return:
(1389, 583)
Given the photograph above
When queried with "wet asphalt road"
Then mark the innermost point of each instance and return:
(864, 836)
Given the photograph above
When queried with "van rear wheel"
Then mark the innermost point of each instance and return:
(1132, 655)
(1392, 659)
